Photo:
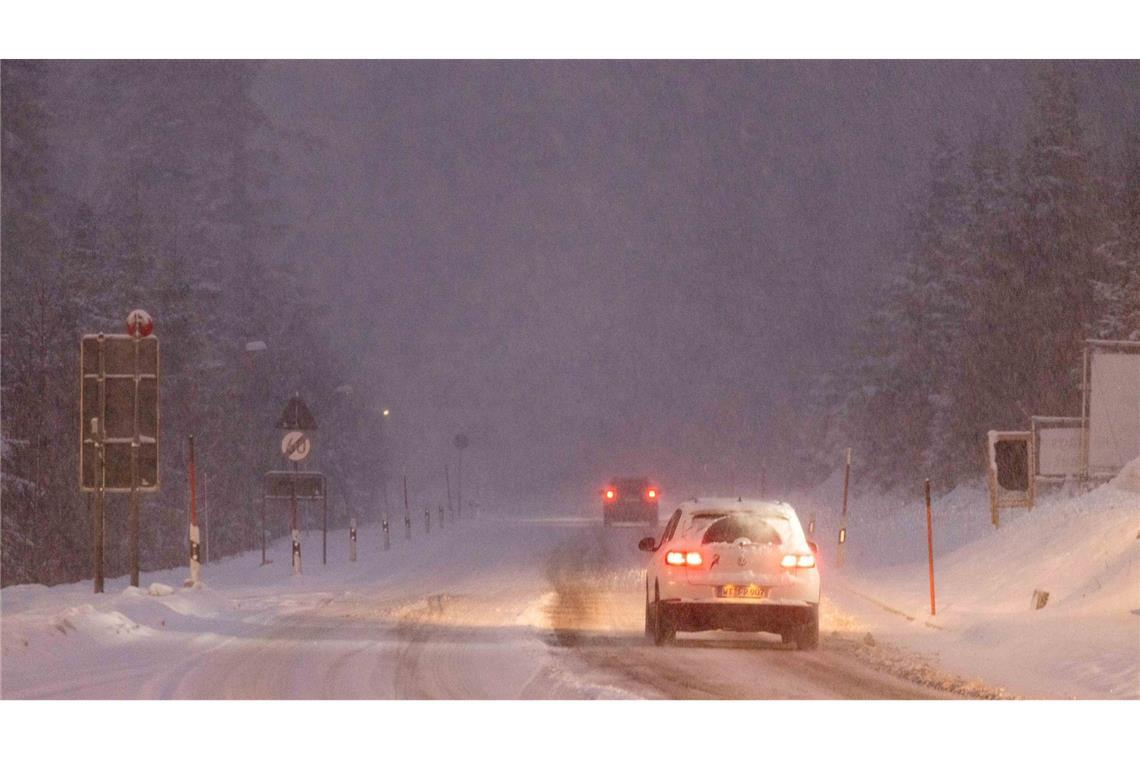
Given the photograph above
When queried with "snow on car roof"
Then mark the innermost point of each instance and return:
(734, 504)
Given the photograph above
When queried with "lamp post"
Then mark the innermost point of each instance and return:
(385, 416)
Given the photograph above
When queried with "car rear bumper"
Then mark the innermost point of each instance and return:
(727, 616)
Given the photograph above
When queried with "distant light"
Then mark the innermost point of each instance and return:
(386, 412)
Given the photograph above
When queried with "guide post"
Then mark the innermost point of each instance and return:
(195, 545)
(843, 517)
(407, 514)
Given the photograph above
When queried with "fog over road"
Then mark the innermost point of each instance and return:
(501, 609)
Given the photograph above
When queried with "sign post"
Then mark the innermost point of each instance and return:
(352, 539)
(100, 433)
(118, 426)
(294, 486)
(295, 445)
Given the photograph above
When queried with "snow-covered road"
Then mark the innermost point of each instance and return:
(494, 608)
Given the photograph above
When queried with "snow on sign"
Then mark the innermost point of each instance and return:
(295, 445)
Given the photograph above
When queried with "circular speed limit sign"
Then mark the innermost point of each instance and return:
(296, 445)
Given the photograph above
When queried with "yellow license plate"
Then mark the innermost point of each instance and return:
(749, 591)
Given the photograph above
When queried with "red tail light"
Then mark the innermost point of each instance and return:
(683, 559)
(653, 493)
(791, 561)
(610, 494)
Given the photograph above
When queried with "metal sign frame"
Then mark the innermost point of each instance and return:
(293, 495)
(92, 369)
(1001, 497)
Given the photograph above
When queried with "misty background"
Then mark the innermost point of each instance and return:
(697, 271)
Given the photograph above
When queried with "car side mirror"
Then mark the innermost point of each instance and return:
(647, 544)
(814, 547)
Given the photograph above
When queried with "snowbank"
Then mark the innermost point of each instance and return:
(1084, 551)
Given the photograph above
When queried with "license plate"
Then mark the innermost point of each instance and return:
(746, 591)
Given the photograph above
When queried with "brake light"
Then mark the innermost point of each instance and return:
(683, 559)
(653, 493)
(797, 560)
(610, 493)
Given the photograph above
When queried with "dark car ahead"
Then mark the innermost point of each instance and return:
(630, 500)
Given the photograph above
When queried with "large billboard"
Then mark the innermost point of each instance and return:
(1113, 405)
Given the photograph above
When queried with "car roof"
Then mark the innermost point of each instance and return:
(735, 504)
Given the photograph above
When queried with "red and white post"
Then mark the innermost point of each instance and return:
(195, 540)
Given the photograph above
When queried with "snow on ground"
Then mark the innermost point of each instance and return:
(67, 641)
(1083, 550)
(552, 606)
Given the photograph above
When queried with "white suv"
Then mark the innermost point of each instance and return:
(736, 565)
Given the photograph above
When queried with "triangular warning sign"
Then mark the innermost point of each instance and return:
(297, 416)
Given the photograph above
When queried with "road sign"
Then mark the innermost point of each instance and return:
(285, 484)
(295, 445)
(297, 416)
(109, 395)
(140, 323)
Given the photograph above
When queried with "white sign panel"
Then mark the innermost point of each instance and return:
(1059, 451)
(1114, 411)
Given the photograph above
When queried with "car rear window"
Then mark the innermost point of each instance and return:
(758, 530)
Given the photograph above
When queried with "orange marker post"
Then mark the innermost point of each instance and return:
(930, 545)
